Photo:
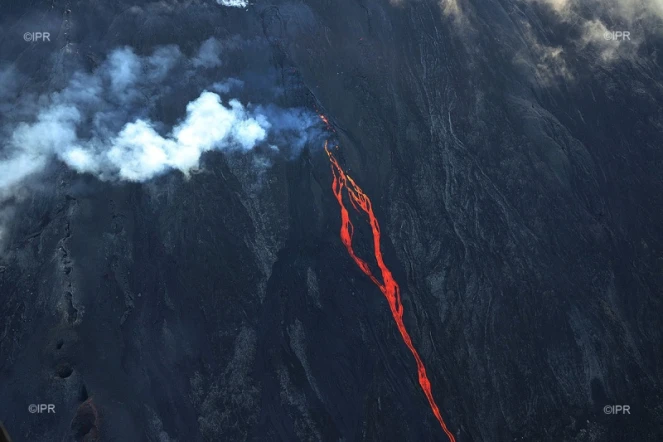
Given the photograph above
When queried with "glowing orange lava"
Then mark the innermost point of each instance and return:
(325, 120)
(388, 286)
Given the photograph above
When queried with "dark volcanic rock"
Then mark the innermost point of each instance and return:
(520, 200)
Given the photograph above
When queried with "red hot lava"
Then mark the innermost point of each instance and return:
(389, 288)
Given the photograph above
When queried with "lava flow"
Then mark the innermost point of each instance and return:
(388, 287)
(325, 120)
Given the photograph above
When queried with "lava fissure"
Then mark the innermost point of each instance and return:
(389, 287)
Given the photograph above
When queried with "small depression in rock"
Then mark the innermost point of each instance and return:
(64, 371)
(72, 312)
(84, 423)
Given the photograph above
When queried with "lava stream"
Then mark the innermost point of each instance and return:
(325, 120)
(388, 287)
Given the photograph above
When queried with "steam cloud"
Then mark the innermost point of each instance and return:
(101, 105)
(233, 3)
(139, 152)
(101, 122)
(633, 16)
(554, 58)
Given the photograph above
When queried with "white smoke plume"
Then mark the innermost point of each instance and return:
(103, 122)
(627, 11)
(637, 17)
(139, 152)
(594, 33)
(233, 3)
(99, 123)
(209, 54)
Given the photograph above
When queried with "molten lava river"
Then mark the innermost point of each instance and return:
(387, 284)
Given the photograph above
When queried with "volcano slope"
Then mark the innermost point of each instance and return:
(512, 157)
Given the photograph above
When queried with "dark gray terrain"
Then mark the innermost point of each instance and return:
(519, 189)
